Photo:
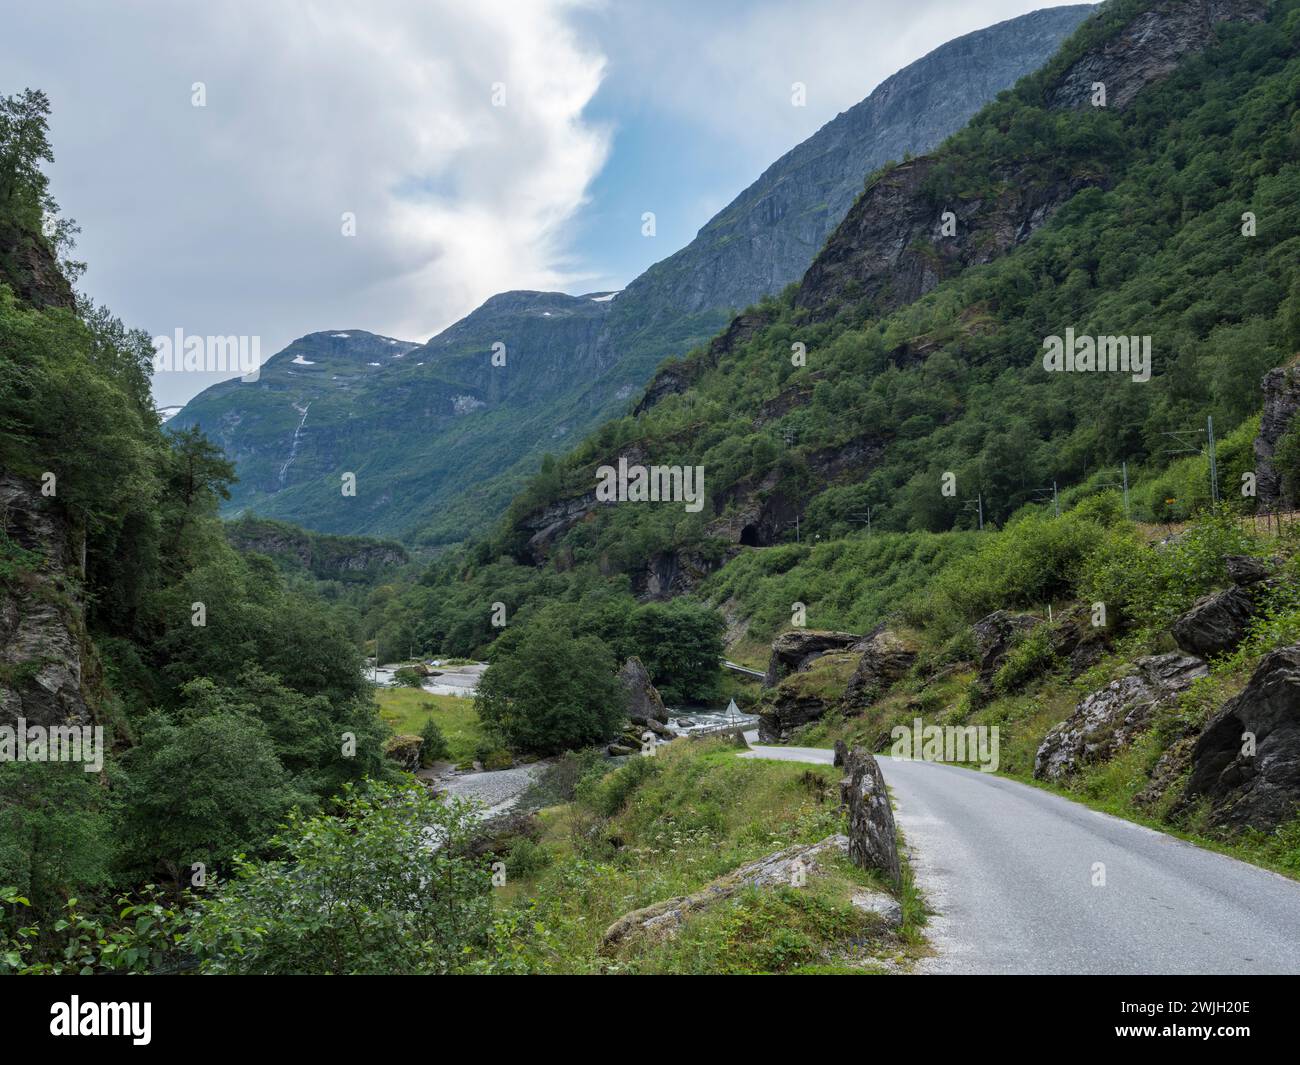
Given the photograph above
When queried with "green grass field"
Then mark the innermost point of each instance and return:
(407, 709)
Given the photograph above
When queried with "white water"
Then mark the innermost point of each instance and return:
(293, 447)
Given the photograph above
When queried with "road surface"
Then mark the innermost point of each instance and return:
(1010, 872)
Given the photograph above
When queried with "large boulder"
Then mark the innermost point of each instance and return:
(796, 650)
(995, 635)
(1259, 788)
(873, 841)
(405, 751)
(1216, 622)
(886, 657)
(644, 704)
(1076, 641)
(804, 697)
(1106, 721)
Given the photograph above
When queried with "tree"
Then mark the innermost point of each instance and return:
(24, 145)
(549, 691)
(434, 744)
(387, 886)
(202, 791)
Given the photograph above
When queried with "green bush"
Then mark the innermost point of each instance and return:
(606, 794)
(1030, 657)
(409, 677)
(434, 746)
(358, 893)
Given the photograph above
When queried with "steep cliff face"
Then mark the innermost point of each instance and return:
(27, 267)
(768, 235)
(323, 556)
(894, 245)
(1281, 405)
(441, 437)
(1149, 48)
(40, 612)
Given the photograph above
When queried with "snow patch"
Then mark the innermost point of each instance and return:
(373, 364)
(298, 360)
(342, 336)
(605, 298)
(466, 404)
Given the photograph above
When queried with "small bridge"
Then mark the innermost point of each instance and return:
(742, 669)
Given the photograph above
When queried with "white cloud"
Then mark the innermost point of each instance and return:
(226, 219)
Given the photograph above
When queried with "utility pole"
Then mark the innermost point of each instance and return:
(1214, 459)
(1126, 513)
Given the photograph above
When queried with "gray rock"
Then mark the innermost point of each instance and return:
(873, 840)
(885, 659)
(40, 651)
(1281, 404)
(1216, 623)
(1260, 790)
(1246, 570)
(644, 704)
(1106, 721)
(664, 919)
(796, 650)
(841, 753)
(995, 635)
(884, 906)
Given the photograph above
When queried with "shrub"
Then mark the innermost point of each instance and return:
(409, 677)
(361, 892)
(607, 794)
(434, 747)
(1031, 656)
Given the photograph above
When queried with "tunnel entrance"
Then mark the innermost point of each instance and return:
(749, 536)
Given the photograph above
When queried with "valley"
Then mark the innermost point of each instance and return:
(901, 578)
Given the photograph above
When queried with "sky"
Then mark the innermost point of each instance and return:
(216, 154)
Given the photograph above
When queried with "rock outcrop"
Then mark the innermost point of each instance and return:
(405, 751)
(873, 840)
(995, 635)
(1281, 405)
(796, 650)
(645, 706)
(1216, 622)
(1106, 721)
(805, 697)
(1247, 760)
(890, 249)
(785, 868)
(886, 657)
(1148, 49)
(41, 626)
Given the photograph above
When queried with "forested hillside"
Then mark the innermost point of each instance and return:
(1164, 214)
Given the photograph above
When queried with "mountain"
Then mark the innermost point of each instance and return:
(441, 438)
(924, 354)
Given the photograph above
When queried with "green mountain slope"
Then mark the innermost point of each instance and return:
(442, 438)
(1124, 220)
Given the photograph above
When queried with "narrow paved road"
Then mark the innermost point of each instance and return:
(1010, 871)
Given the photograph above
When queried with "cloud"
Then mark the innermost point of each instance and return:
(227, 218)
(736, 83)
